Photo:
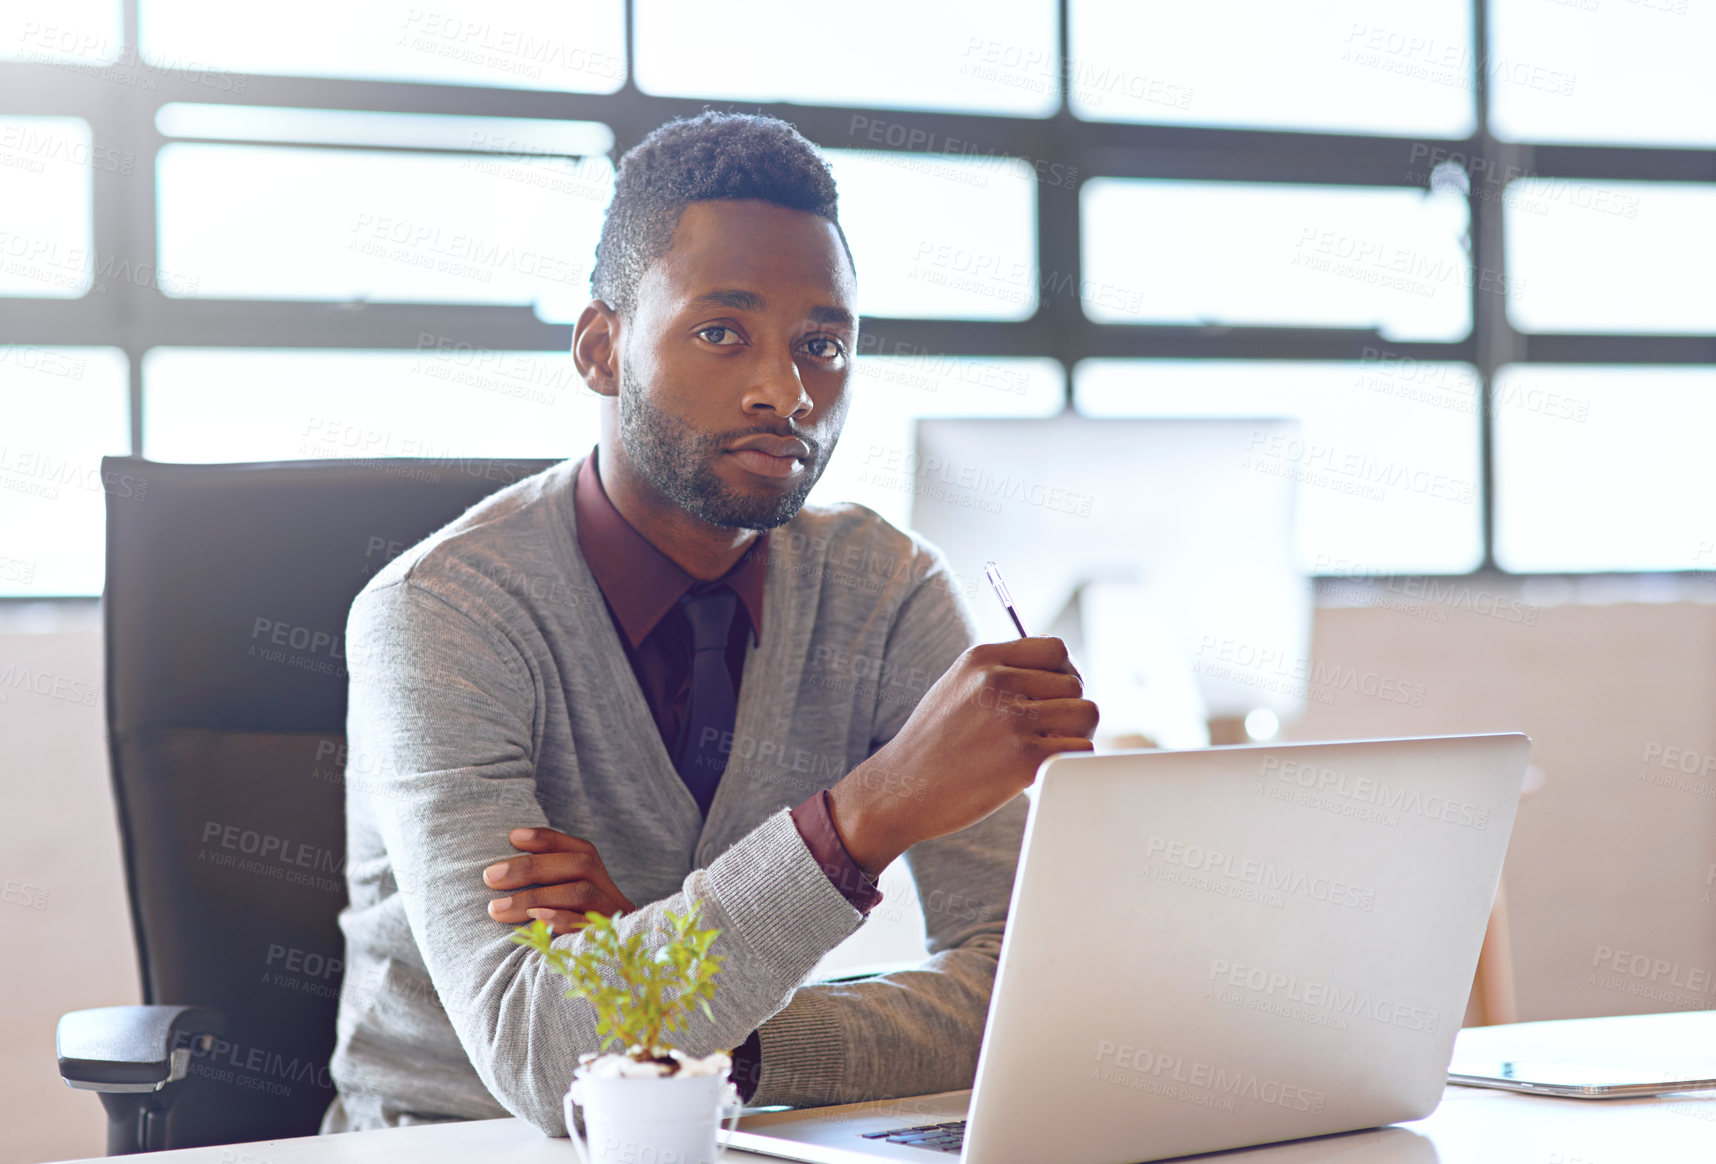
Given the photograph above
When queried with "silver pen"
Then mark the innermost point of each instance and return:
(1001, 592)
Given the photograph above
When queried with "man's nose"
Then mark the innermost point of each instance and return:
(778, 388)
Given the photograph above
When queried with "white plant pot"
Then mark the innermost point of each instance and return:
(667, 1120)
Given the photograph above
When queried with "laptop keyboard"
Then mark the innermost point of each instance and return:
(948, 1137)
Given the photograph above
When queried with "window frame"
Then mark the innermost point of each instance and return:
(136, 318)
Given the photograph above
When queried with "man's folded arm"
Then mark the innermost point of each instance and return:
(441, 706)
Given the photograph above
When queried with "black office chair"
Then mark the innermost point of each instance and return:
(225, 612)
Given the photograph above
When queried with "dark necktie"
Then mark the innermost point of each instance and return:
(705, 733)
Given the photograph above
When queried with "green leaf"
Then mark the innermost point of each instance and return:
(640, 983)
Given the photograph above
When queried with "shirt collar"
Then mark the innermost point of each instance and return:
(640, 582)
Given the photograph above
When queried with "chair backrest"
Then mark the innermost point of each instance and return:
(225, 611)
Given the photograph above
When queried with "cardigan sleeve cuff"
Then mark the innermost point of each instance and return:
(815, 822)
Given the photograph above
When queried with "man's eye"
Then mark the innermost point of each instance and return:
(717, 334)
(824, 348)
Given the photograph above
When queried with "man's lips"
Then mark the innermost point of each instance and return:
(774, 446)
(772, 456)
(767, 464)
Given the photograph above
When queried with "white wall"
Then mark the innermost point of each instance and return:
(1615, 852)
(59, 838)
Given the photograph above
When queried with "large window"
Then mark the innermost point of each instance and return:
(442, 401)
(1630, 73)
(45, 233)
(1399, 67)
(524, 44)
(1002, 57)
(1611, 256)
(1605, 468)
(966, 250)
(65, 408)
(1270, 254)
(1463, 242)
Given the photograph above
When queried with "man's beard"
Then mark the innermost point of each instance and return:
(680, 463)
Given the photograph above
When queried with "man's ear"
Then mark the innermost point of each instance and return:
(596, 348)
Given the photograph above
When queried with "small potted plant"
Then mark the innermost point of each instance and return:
(648, 1101)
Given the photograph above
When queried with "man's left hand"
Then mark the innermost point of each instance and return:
(566, 880)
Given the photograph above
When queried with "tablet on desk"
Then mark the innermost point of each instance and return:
(1578, 1080)
(1603, 1058)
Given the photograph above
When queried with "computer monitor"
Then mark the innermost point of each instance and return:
(1154, 546)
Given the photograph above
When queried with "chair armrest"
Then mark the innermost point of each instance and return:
(132, 1048)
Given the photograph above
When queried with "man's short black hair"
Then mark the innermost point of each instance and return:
(705, 158)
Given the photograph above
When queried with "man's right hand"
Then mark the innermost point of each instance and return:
(561, 878)
(973, 743)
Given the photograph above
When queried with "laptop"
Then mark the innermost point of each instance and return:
(1213, 949)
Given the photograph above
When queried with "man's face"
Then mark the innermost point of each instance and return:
(734, 366)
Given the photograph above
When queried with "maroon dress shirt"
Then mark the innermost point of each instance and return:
(642, 587)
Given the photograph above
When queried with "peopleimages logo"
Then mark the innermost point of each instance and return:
(1272, 669)
(1269, 987)
(1264, 875)
(1375, 792)
(1153, 1065)
(1644, 968)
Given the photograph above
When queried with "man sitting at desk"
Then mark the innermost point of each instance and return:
(649, 677)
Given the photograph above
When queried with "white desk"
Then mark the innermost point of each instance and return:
(1470, 1127)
